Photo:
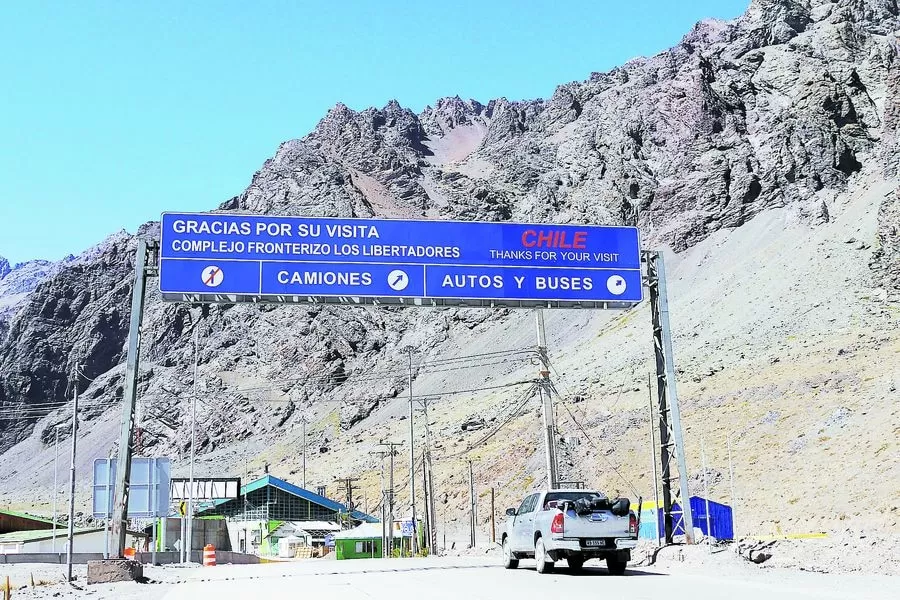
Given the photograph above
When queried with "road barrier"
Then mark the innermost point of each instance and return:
(209, 555)
(78, 558)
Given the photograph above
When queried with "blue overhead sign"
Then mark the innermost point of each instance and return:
(216, 257)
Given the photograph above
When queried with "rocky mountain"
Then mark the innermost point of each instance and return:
(17, 281)
(755, 148)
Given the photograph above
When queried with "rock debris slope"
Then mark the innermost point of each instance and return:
(762, 151)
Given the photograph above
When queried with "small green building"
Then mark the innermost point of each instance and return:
(360, 542)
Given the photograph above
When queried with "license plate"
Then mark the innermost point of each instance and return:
(595, 543)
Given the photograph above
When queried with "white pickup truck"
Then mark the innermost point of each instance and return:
(575, 525)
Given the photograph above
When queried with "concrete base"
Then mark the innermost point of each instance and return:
(113, 570)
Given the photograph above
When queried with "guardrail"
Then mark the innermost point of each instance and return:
(78, 558)
(223, 557)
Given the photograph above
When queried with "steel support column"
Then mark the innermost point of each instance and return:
(670, 434)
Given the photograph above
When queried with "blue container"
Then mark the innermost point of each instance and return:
(721, 520)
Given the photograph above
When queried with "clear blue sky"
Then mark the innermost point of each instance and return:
(112, 112)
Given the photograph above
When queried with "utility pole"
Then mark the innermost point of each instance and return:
(544, 390)
(391, 504)
(56, 481)
(304, 451)
(432, 511)
(385, 524)
(653, 460)
(733, 497)
(493, 523)
(471, 507)
(412, 456)
(390, 494)
(348, 487)
(107, 526)
(706, 492)
(142, 269)
(428, 479)
(671, 441)
(71, 535)
(426, 518)
(391, 501)
(381, 455)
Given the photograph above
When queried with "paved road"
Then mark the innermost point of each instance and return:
(479, 578)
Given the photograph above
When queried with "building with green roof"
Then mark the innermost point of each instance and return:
(270, 508)
(11, 521)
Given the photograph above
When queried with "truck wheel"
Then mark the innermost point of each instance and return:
(509, 558)
(615, 566)
(575, 563)
(543, 560)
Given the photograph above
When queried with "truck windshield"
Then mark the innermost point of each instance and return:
(570, 496)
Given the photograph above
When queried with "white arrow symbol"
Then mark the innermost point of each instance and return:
(398, 280)
(616, 285)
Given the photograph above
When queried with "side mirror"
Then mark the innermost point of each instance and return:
(510, 512)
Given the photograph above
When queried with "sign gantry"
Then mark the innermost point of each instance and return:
(224, 257)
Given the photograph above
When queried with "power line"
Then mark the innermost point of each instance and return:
(529, 393)
(42, 410)
(480, 360)
(39, 410)
(587, 436)
(82, 375)
(608, 462)
(621, 388)
(486, 359)
(22, 405)
(374, 376)
(385, 398)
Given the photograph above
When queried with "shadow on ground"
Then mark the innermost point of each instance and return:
(598, 572)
